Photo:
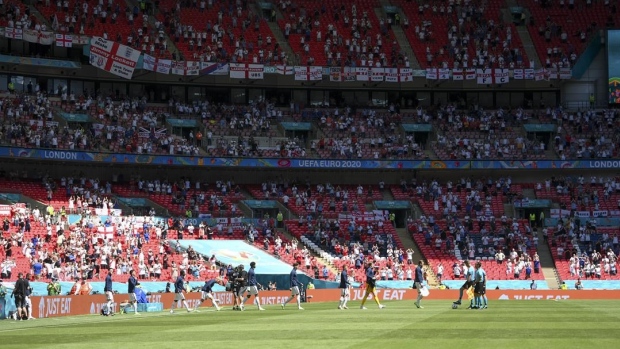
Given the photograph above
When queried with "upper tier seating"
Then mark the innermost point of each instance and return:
(115, 20)
(561, 33)
(224, 32)
(444, 35)
(339, 33)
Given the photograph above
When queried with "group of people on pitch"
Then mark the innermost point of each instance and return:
(243, 285)
(372, 271)
(22, 292)
(476, 283)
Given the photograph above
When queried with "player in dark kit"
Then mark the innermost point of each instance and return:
(371, 284)
(19, 293)
(207, 293)
(294, 287)
(469, 281)
(242, 280)
(345, 288)
(233, 275)
(252, 287)
(179, 288)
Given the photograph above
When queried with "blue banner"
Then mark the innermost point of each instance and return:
(11, 197)
(532, 203)
(392, 205)
(69, 117)
(206, 161)
(133, 202)
(259, 204)
(41, 62)
(296, 126)
(417, 127)
(190, 123)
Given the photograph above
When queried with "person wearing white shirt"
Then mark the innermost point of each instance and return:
(457, 271)
(384, 273)
(439, 272)
(142, 270)
(400, 274)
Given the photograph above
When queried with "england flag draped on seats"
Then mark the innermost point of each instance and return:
(13, 33)
(285, 70)
(457, 75)
(162, 66)
(376, 74)
(308, 73)
(113, 57)
(349, 74)
(518, 74)
(247, 71)
(398, 74)
(64, 40)
(501, 76)
(361, 73)
(391, 75)
(335, 74)
(188, 68)
(38, 36)
(210, 68)
(484, 76)
(529, 74)
(431, 74)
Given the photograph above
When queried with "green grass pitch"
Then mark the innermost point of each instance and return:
(506, 324)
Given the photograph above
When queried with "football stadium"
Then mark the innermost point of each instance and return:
(297, 173)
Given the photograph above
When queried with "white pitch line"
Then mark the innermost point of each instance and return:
(100, 320)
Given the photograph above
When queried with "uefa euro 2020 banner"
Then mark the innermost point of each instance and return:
(113, 57)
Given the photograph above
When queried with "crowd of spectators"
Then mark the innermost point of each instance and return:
(234, 34)
(364, 134)
(132, 125)
(481, 134)
(581, 193)
(464, 197)
(342, 35)
(15, 15)
(559, 42)
(505, 240)
(475, 39)
(193, 197)
(591, 250)
(128, 125)
(56, 250)
(587, 134)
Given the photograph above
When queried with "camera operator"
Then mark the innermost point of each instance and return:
(233, 275)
